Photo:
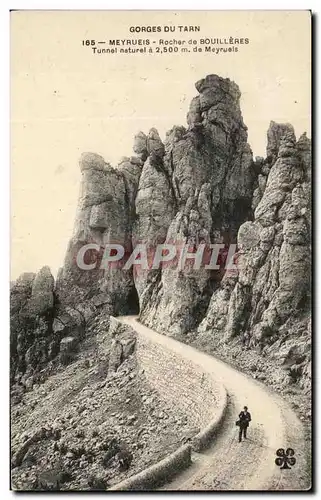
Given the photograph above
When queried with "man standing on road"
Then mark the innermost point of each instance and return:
(244, 420)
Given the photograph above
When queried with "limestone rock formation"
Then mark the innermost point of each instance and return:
(106, 212)
(195, 187)
(205, 185)
(270, 301)
(32, 343)
(199, 186)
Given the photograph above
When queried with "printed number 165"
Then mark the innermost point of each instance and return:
(88, 42)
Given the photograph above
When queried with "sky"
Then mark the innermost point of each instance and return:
(66, 100)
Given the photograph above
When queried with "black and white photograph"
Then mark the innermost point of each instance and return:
(161, 248)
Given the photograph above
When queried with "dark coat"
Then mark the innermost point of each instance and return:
(245, 419)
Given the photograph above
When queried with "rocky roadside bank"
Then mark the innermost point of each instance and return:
(91, 425)
(275, 375)
(250, 362)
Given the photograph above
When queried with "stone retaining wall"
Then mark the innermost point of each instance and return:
(160, 473)
(185, 385)
(179, 382)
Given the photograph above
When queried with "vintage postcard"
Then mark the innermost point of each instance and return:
(160, 295)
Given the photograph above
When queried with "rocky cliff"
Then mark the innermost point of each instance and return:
(267, 305)
(201, 186)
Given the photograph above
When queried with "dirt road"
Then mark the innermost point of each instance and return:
(249, 465)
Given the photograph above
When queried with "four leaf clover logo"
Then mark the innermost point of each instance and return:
(285, 458)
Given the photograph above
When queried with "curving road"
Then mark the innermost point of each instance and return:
(249, 465)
